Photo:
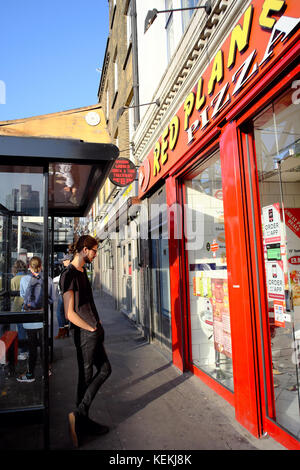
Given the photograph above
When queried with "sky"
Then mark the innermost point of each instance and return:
(50, 51)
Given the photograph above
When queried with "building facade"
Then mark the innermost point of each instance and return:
(116, 272)
(215, 229)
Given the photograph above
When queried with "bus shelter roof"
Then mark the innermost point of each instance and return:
(74, 146)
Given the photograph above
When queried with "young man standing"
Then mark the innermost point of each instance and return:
(81, 311)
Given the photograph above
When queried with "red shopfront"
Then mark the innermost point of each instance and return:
(230, 162)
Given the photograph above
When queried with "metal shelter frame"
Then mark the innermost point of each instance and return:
(42, 152)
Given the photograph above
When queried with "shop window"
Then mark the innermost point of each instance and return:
(112, 13)
(170, 29)
(207, 270)
(107, 104)
(116, 75)
(187, 14)
(129, 28)
(277, 141)
(129, 260)
(126, 273)
(131, 126)
(160, 272)
(116, 79)
(128, 13)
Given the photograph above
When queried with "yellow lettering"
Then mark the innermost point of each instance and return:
(217, 72)
(270, 5)
(240, 37)
(188, 108)
(156, 155)
(200, 98)
(174, 132)
(164, 146)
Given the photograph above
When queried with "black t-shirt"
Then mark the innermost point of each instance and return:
(77, 281)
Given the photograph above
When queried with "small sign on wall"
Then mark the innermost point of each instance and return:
(123, 172)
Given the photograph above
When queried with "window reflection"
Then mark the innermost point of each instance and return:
(21, 237)
(208, 286)
(67, 184)
(277, 141)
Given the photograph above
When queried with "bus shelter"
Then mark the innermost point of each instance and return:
(40, 178)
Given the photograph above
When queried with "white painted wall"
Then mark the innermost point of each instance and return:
(152, 47)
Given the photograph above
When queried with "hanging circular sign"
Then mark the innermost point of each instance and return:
(123, 172)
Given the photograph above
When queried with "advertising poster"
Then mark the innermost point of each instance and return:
(282, 250)
(292, 223)
(279, 313)
(202, 286)
(275, 280)
(215, 314)
(221, 317)
(271, 224)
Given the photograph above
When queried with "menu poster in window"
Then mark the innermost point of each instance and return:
(221, 317)
(292, 223)
(275, 280)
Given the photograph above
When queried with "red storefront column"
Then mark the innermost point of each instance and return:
(175, 274)
(247, 400)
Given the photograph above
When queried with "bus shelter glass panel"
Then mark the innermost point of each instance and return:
(21, 238)
(277, 141)
(207, 270)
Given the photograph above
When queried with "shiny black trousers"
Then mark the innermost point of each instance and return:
(93, 366)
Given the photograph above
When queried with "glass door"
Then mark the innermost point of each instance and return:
(21, 331)
(160, 273)
(205, 245)
(126, 277)
(277, 146)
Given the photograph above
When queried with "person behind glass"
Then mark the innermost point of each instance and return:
(81, 311)
(34, 330)
(63, 324)
(19, 270)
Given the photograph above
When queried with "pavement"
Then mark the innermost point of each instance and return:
(147, 402)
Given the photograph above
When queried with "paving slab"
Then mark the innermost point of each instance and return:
(147, 402)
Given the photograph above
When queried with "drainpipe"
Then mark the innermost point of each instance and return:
(135, 67)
